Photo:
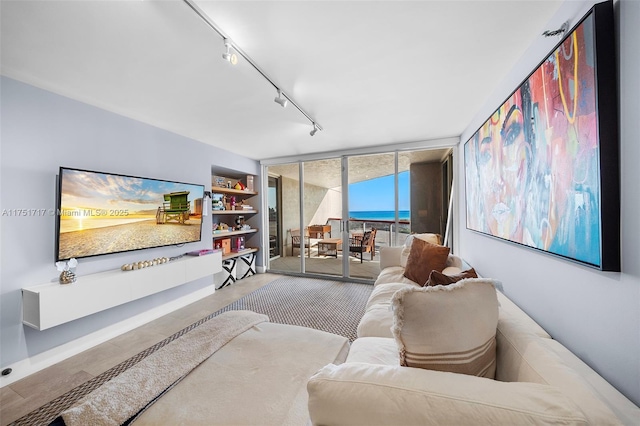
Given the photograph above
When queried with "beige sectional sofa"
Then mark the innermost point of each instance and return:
(537, 379)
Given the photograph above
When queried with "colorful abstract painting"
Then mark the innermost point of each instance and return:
(533, 168)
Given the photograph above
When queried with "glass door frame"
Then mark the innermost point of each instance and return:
(450, 143)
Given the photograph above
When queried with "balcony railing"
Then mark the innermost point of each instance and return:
(384, 235)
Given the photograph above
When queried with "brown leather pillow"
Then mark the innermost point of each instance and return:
(423, 258)
(438, 278)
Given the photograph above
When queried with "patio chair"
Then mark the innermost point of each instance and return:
(296, 239)
(365, 243)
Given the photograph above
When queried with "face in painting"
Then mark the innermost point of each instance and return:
(502, 154)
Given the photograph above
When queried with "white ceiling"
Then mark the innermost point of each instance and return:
(370, 72)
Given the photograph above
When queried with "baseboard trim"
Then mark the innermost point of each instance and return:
(28, 366)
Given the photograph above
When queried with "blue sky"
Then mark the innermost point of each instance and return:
(377, 194)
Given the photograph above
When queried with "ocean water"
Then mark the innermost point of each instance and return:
(379, 215)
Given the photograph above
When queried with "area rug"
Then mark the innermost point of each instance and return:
(331, 306)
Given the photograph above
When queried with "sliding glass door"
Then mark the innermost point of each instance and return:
(322, 191)
(374, 211)
(274, 205)
(284, 222)
(351, 207)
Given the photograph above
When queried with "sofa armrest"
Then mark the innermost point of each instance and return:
(358, 394)
(390, 256)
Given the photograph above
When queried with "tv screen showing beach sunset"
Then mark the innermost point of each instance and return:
(102, 213)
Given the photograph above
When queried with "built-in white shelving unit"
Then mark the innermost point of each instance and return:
(47, 305)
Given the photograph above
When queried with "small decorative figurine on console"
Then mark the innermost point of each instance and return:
(67, 269)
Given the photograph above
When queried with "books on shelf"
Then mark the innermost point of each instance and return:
(200, 252)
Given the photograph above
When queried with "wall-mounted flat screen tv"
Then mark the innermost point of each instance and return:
(104, 213)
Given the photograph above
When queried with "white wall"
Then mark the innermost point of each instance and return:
(42, 131)
(595, 314)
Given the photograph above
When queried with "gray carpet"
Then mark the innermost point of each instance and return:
(331, 306)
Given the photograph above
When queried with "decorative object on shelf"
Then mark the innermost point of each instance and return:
(239, 222)
(250, 183)
(240, 186)
(219, 181)
(238, 244)
(232, 203)
(217, 202)
(225, 245)
(222, 227)
(67, 269)
(144, 264)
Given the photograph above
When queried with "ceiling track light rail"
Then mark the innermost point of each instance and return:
(281, 99)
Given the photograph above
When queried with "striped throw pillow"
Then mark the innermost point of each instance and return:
(448, 328)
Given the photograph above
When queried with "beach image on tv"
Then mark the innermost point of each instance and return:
(102, 213)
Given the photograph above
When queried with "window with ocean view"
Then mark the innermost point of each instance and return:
(344, 209)
(372, 205)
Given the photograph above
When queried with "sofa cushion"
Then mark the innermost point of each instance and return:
(510, 310)
(365, 394)
(620, 405)
(448, 328)
(392, 275)
(440, 278)
(267, 366)
(378, 318)
(381, 295)
(374, 350)
(424, 258)
(524, 356)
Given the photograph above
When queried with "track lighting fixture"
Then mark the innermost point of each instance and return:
(228, 55)
(232, 53)
(280, 99)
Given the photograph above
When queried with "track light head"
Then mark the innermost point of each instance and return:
(280, 99)
(315, 129)
(559, 32)
(228, 55)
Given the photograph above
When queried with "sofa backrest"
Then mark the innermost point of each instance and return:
(525, 353)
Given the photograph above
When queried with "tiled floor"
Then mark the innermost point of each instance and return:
(367, 269)
(26, 395)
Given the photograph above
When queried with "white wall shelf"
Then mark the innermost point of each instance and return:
(222, 234)
(239, 253)
(235, 212)
(47, 305)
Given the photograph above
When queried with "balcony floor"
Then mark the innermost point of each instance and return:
(368, 269)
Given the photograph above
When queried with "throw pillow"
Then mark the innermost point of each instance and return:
(430, 238)
(448, 328)
(440, 278)
(424, 258)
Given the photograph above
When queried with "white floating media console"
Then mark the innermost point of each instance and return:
(47, 305)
